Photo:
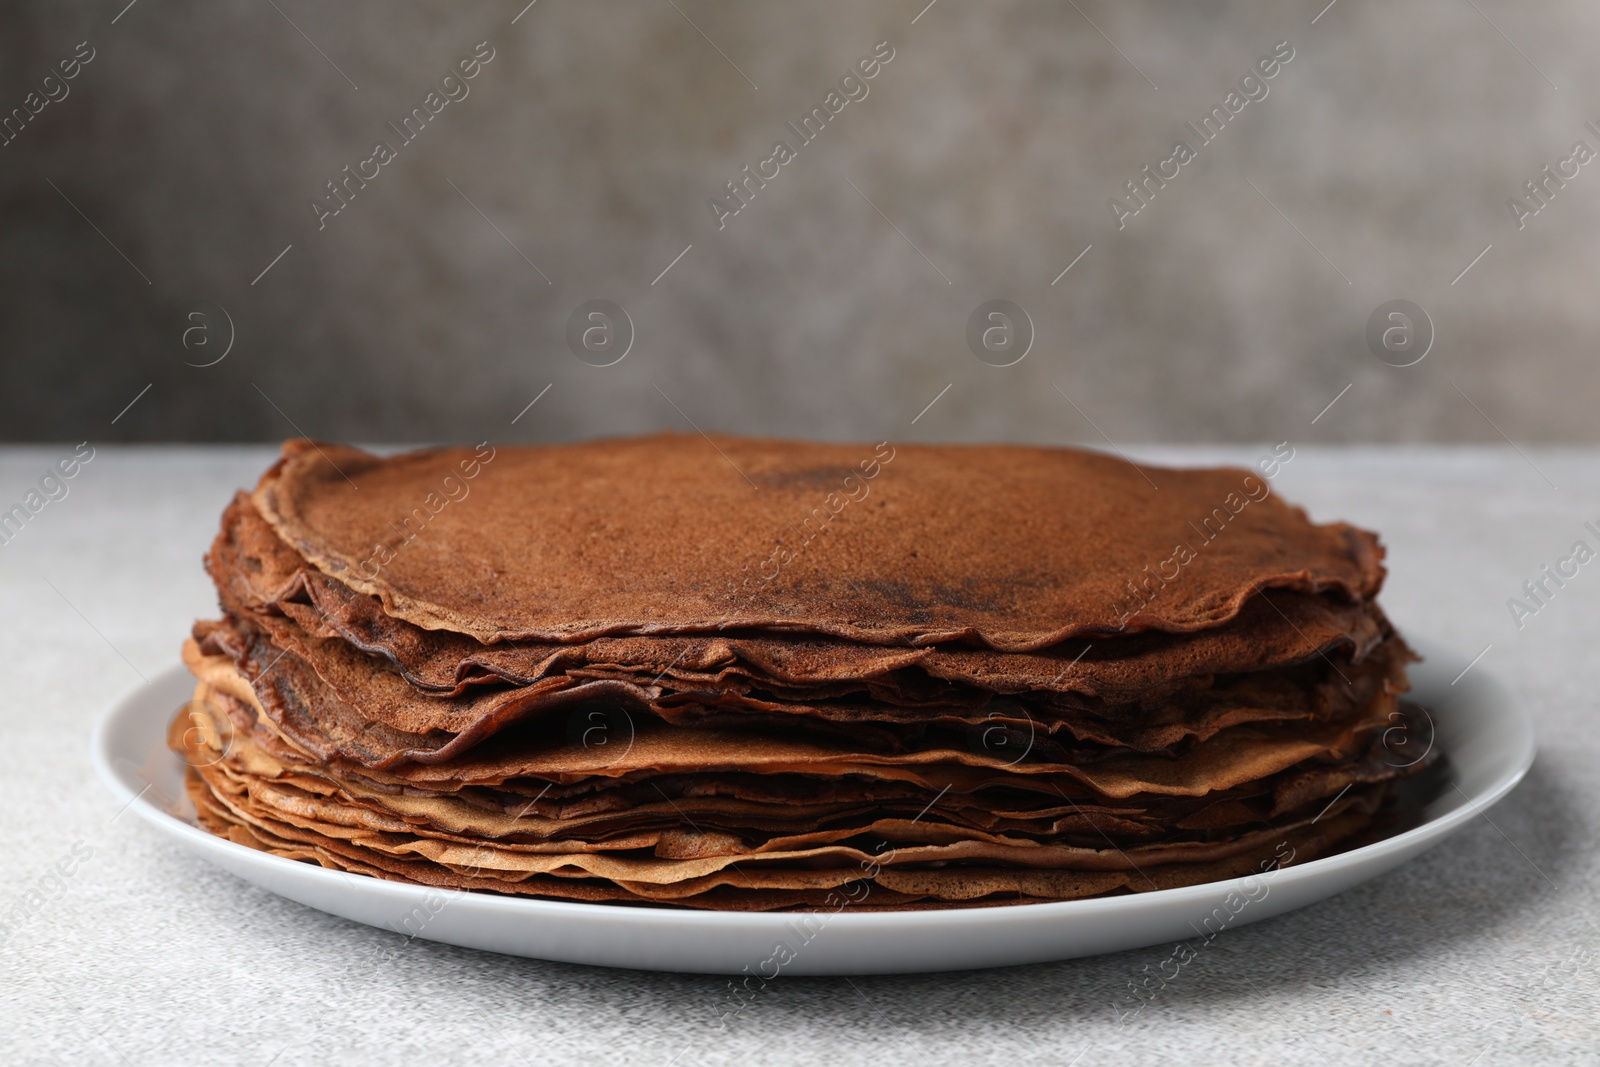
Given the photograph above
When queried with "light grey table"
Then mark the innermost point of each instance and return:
(1484, 951)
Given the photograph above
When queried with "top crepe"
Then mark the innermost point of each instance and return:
(1012, 547)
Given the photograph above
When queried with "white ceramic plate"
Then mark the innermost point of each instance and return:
(1487, 739)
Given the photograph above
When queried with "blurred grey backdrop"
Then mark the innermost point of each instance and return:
(181, 162)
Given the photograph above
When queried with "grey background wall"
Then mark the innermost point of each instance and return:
(187, 153)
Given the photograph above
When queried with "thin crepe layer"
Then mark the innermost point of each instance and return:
(532, 549)
(821, 865)
(368, 714)
(955, 888)
(307, 827)
(736, 698)
(256, 572)
(701, 824)
(308, 714)
(887, 889)
(239, 727)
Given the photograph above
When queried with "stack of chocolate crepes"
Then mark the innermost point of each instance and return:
(750, 674)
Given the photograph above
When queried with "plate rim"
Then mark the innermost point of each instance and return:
(1422, 836)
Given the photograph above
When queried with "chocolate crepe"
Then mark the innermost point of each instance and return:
(1015, 548)
(962, 684)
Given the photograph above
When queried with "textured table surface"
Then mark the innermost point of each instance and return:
(1485, 950)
